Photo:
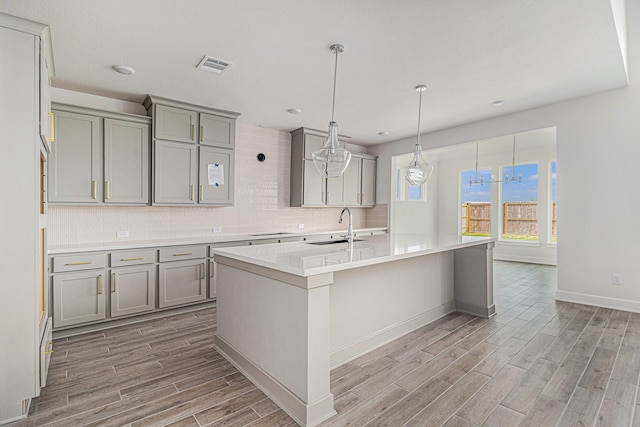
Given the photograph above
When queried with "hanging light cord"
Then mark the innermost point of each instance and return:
(419, 113)
(336, 49)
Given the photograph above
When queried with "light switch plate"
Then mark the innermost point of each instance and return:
(217, 229)
(122, 234)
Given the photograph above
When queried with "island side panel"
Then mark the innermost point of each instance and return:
(282, 330)
(474, 280)
(373, 305)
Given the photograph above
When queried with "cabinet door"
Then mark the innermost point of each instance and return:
(216, 176)
(126, 162)
(175, 124)
(181, 282)
(335, 191)
(311, 144)
(216, 130)
(313, 186)
(133, 290)
(174, 173)
(351, 192)
(46, 116)
(78, 298)
(368, 197)
(74, 162)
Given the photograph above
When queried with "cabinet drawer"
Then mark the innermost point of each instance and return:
(122, 258)
(77, 262)
(178, 253)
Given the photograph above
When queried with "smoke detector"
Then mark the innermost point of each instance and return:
(215, 65)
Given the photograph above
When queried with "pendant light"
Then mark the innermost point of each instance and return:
(332, 160)
(419, 170)
(507, 179)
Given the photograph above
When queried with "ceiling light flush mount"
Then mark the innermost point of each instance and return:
(332, 160)
(294, 111)
(124, 69)
(419, 171)
(383, 133)
(498, 103)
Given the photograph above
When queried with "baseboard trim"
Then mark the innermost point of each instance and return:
(388, 334)
(527, 259)
(305, 414)
(598, 301)
(476, 310)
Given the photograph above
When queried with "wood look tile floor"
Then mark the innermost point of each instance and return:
(537, 363)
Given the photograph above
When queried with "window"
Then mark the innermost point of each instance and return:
(476, 203)
(554, 203)
(409, 192)
(520, 202)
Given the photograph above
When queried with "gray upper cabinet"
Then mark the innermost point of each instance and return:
(174, 173)
(175, 124)
(368, 186)
(188, 174)
(126, 162)
(216, 170)
(310, 189)
(74, 162)
(352, 181)
(217, 131)
(98, 157)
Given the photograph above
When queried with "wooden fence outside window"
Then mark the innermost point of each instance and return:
(518, 218)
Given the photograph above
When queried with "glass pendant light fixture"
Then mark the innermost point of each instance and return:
(332, 160)
(507, 179)
(419, 170)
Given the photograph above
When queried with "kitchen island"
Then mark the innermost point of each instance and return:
(289, 313)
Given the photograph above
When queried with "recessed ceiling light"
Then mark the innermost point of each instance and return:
(124, 69)
(498, 103)
(294, 110)
(383, 133)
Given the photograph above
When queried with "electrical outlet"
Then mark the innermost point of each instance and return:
(217, 229)
(300, 226)
(122, 234)
(616, 279)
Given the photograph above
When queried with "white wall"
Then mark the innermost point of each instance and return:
(598, 151)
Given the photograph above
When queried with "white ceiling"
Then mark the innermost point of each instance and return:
(468, 52)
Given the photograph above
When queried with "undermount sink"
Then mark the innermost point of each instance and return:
(331, 242)
(269, 234)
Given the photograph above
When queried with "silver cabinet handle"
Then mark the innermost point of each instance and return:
(183, 254)
(132, 259)
(114, 283)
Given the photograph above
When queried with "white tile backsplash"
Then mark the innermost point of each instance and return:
(261, 204)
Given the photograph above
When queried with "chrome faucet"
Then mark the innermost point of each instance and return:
(349, 234)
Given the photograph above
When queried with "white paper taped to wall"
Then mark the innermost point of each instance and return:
(215, 174)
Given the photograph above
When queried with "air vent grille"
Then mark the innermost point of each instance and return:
(215, 65)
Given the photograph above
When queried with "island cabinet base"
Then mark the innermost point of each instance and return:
(286, 332)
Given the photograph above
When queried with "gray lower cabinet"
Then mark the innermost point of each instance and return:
(74, 161)
(78, 297)
(175, 173)
(181, 282)
(133, 290)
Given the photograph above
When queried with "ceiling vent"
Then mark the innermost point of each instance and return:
(215, 65)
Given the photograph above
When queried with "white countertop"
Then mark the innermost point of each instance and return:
(212, 239)
(308, 259)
